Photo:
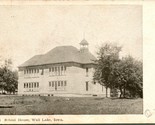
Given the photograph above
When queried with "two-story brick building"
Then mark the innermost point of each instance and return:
(63, 71)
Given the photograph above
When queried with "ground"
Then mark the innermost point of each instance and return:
(44, 105)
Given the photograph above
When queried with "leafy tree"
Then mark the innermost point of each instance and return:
(8, 79)
(11, 81)
(108, 55)
(127, 77)
(124, 74)
(134, 80)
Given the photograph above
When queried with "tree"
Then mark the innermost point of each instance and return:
(127, 77)
(8, 79)
(11, 80)
(134, 81)
(124, 74)
(108, 55)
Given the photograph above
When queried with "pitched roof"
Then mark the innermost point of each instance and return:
(61, 54)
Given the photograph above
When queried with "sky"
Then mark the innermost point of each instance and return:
(26, 31)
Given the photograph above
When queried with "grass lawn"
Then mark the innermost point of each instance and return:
(42, 105)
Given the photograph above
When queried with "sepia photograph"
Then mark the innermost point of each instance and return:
(71, 60)
(65, 62)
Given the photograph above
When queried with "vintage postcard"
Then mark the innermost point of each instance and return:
(77, 62)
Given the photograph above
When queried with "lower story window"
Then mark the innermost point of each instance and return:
(49, 83)
(86, 86)
(52, 83)
(65, 83)
(31, 85)
(57, 85)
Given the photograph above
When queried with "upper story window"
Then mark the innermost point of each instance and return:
(62, 68)
(57, 70)
(87, 70)
(49, 69)
(65, 68)
(52, 69)
(42, 73)
(31, 71)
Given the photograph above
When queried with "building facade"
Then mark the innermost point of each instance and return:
(63, 71)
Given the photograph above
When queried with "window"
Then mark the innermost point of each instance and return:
(61, 83)
(65, 68)
(32, 70)
(49, 83)
(52, 69)
(65, 83)
(32, 84)
(87, 71)
(58, 70)
(42, 73)
(86, 86)
(49, 69)
(58, 83)
(55, 69)
(24, 85)
(29, 85)
(24, 71)
(55, 85)
(61, 68)
(35, 85)
(52, 83)
(37, 70)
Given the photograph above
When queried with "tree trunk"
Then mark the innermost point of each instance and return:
(106, 92)
(121, 92)
(124, 91)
